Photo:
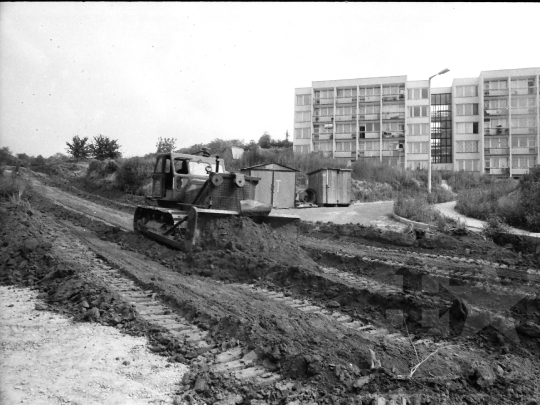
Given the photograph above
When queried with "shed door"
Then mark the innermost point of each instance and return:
(284, 190)
(332, 188)
(263, 191)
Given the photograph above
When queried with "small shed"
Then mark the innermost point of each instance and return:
(332, 186)
(277, 185)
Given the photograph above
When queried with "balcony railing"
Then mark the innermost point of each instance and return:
(345, 154)
(496, 151)
(495, 92)
(498, 170)
(393, 134)
(524, 131)
(323, 101)
(397, 115)
(369, 117)
(523, 110)
(523, 91)
(346, 135)
(344, 117)
(525, 151)
(496, 111)
(323, 137)
(368, 153)
(371, 135)
(345, 100)
(496, 131)
(367, 99)
(520, 170)
(393, 97)
(324, 118)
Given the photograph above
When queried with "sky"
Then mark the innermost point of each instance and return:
(199, 71)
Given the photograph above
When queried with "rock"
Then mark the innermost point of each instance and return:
(375, 363)
(46, 245)
(200, 385)
(361, 382)
(30, 245)
(483, 374)
(333, 304)
(530, 329)
(92, 314)
(40, 307)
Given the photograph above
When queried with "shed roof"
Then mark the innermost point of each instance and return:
(271, 166)
(330, 168)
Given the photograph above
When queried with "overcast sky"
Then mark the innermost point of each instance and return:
(200, 71)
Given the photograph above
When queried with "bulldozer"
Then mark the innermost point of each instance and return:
(189, 190)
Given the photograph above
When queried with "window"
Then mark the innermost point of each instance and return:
(322, 130)
(345, 128)
(523, 122)
(369, 145)
(370, 109)
(302, 133)
(304, 99)
(302, 116)
(324, 94)
(324, 112)
(417, 94)
(159, 166)
(345, 146)
(418, 129)
(496, 103)
(496, 123)
(388, 90)
(302, 149)
(370, 127)
(325, 146)
(496, 85)
(417, 147)
(467, 91)
(497, 162)
(496, 143)
(346, 92)
(393, 126)
(523, 102)
(466, 146)
(416, 164)
(467, 127)
(467, 109)
(468, 165)
(523, 162)
(418, 111)
(348, 110)
(523, 141)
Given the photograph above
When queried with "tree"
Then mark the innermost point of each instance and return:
(79, 148)
(105, 148)
(165, 145)
(265, 141)
(6, 158)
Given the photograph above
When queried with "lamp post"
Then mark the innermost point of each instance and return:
(442, 72)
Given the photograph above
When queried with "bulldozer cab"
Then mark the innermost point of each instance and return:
(177, 177)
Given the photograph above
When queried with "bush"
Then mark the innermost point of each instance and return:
(13, 187)
(494, 226)
(417, 209)
(134, 173)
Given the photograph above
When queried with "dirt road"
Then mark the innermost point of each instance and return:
(322, 320)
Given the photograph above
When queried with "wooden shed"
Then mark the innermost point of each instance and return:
(332, 186)
(277, 185)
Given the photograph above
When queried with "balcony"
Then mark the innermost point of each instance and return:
(520, 170)
(372, 135)
(496, 111)
(393, 134)
(345, 154)
(369, 117)
(368, 99)
(526, 110)
(524, 131)
(319, 101)
(496, 151)
(345, 100)
(397, 115)
(523, 91)
(524, 151)
(323, 119)
(344, 117)
(496, 131)
(348, 135)
(393, 97)
(498, 171)
(369, 153)
(324, 137)
(495, 92)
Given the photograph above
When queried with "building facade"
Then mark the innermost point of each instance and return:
(488, 124)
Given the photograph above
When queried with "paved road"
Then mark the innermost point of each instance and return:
(373, 213)
(448, 209)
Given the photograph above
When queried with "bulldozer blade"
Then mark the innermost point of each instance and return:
(165, 240)
(254, 208)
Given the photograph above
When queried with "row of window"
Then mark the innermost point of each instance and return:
(503, 84)
(518, 162)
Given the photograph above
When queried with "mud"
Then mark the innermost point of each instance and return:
(305, 346)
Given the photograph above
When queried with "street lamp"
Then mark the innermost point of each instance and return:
(442, 72)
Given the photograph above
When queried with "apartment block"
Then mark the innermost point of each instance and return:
(488, 124)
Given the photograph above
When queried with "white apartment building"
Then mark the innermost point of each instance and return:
(488, 124)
